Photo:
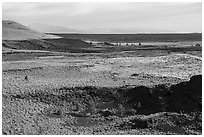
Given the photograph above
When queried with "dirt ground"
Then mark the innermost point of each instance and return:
(57, 94)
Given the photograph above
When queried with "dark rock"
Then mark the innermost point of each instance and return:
(143, 99)
(136, 123)
(106, 113)
(139, 123)
(53, 112)
(186, 96)
(196, 83)
(58, 113)
(26, 78)
(4, 133)
(135, 74)
(75, 114)
(182, 97)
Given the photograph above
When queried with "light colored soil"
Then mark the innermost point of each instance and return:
(110, 72)
(15, 31)
(25, 116)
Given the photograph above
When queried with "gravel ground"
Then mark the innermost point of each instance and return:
(24, 112)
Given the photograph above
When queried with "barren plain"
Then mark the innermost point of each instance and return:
(100, 88)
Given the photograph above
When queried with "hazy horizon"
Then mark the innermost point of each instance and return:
(88, 17)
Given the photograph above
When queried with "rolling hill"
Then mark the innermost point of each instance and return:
(19, 37)
(14, 31)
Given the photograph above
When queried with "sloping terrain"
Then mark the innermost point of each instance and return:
(14, 31)
(19, 37)
(60, 44)
(48, 90)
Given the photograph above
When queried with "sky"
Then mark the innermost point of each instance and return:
(109, 17)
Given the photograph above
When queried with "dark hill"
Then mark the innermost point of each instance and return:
(61, 44)
(19, 37)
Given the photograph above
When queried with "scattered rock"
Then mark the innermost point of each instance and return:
(136, 123)
(53, 112)
(26, 78)
(173, 129)
(78, 114)
(106, 113)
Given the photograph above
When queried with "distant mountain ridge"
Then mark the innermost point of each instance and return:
(115, 30)
(46, 28)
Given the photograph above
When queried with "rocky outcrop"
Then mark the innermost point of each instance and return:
(183, 97)
(186, 96)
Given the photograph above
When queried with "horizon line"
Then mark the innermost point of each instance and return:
(128, 33)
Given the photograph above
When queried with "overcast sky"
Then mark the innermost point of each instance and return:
(168, 17)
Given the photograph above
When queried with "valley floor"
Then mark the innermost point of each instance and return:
(81, 94)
